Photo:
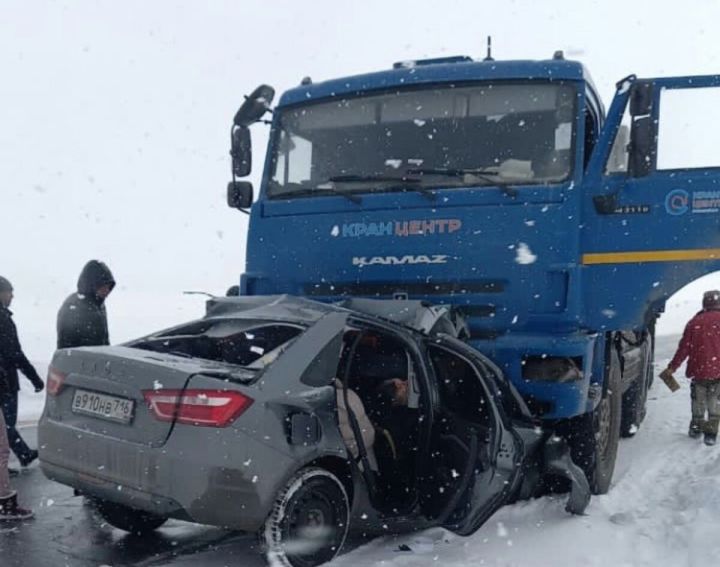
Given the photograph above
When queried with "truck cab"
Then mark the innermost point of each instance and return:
(500, 188)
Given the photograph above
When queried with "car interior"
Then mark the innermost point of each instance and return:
(377, 359)
(459, 444)
(245, 343)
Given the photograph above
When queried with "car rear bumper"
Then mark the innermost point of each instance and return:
(206, 480)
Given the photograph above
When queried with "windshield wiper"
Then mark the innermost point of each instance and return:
(402, 182)
(320, 191)
(486, 174)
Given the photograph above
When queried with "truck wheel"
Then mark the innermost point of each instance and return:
(309, 520)
(634, 404)
(594, 437)
(128, 519)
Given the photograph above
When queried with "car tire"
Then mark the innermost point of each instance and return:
(594, 437)
(309, 520)
(123, 517)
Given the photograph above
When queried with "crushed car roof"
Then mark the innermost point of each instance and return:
(417, 315)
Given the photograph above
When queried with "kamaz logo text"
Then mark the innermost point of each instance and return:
(422, 227)
(399, 260)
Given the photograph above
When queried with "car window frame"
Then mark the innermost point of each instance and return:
(261, 323)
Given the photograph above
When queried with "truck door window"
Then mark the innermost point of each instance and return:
(618, 159)
(689, 129)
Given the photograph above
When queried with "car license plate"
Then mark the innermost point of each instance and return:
(103, 406)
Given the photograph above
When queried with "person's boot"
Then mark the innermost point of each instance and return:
(694, 431)
(13, 472)
(29, 458)
(711, 430)
(10, 511)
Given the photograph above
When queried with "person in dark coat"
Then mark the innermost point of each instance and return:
(13, 359)
(82, 320)
(700, 345)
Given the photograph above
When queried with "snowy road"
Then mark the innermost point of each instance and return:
(663, 510)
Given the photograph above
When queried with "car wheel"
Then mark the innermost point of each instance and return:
(128, 519)
(309, 520)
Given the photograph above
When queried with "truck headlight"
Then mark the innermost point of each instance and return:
(552, 368)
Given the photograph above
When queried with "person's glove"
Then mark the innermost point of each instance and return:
(667, 377)
(39, 386)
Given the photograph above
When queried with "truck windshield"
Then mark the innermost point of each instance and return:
(408, 140)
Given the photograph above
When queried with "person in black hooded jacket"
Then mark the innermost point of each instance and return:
(13, 359)
(82, 320)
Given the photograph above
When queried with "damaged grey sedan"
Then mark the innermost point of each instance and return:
(298, 421)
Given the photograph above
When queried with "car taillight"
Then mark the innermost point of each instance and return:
(210, 408)
(55, 381)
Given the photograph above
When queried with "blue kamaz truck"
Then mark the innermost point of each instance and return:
(557, 229)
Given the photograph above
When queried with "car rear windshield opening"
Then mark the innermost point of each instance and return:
(243, 343)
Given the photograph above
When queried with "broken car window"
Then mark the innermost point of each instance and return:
(246, 343)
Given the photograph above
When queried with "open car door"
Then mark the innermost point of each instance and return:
(474, 460)
(651, 207)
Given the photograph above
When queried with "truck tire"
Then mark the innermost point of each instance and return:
(131, 520)
(634, 402)
(309, 520)
(633, 407)
(594, 437)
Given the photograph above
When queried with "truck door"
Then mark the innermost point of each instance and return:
(651, 204)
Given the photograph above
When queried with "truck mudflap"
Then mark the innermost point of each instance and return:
(557, 461)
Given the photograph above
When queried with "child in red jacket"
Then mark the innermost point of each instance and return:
(700, 345)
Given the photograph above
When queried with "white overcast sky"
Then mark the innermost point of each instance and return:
(114, 119)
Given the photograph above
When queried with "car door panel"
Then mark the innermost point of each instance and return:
(476, 481)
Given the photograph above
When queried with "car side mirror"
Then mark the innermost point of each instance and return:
(241, 151)
(239, 194)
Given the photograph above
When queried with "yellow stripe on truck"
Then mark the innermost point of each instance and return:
(651, 256)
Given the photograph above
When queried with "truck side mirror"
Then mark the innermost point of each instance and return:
(241, 151)
(256, 104)
(239, 194)
(643, 131)
(643, 146)
(641, 99)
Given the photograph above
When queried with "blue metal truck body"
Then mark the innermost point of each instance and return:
(544, 266)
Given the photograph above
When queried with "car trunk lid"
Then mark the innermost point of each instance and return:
(104, 390)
